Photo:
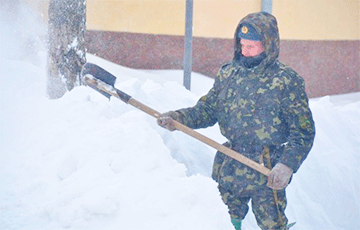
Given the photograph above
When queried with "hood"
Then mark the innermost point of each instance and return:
(266, 25)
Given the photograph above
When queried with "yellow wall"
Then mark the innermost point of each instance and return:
(318, 19)
(139, 16)
(297, 19)
(219, 18)
(211, 18)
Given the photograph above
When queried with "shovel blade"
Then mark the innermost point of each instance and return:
(99, 73)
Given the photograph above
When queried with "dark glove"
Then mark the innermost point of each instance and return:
(279, 176)
(166, 120)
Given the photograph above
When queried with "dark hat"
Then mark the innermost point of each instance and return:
(248, 32)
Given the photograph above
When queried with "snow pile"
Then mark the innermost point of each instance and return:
(83, 162)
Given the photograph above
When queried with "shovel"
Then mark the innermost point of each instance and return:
(102, 81)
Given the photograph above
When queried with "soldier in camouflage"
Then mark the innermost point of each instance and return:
(262, 109)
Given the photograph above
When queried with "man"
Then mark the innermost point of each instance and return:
(262, 109)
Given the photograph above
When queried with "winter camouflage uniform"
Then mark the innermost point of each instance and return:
(256, 107)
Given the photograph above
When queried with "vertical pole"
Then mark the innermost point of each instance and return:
(188, 44)
(266, 6)
(66, 29)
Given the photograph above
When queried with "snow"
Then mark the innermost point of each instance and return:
(84, 162)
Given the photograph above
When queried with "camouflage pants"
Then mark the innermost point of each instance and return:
(239, 184)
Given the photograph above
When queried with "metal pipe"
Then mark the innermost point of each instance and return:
(188, 44)
(266, 6)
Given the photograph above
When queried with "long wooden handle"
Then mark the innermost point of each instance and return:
(92, 81)
(231, 153)
(227, 151)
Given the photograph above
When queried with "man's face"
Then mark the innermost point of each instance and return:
(251, 48)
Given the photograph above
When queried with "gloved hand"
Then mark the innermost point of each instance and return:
(166, 120)
(279, 176)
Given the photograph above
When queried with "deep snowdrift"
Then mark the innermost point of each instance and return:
(83, 162)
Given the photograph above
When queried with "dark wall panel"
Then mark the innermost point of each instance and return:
(328, 67)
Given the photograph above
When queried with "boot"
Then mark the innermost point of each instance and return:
(236, 223)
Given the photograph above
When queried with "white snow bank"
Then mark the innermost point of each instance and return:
(83, 162)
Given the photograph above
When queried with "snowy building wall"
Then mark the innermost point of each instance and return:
(320, 39)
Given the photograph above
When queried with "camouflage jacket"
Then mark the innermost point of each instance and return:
(261, 106)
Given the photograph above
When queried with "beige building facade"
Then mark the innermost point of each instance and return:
(320, 39)
(298, 19)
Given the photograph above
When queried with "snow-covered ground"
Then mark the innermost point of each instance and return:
(83, 162)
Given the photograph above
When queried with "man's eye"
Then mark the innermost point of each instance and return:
(247, 46)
